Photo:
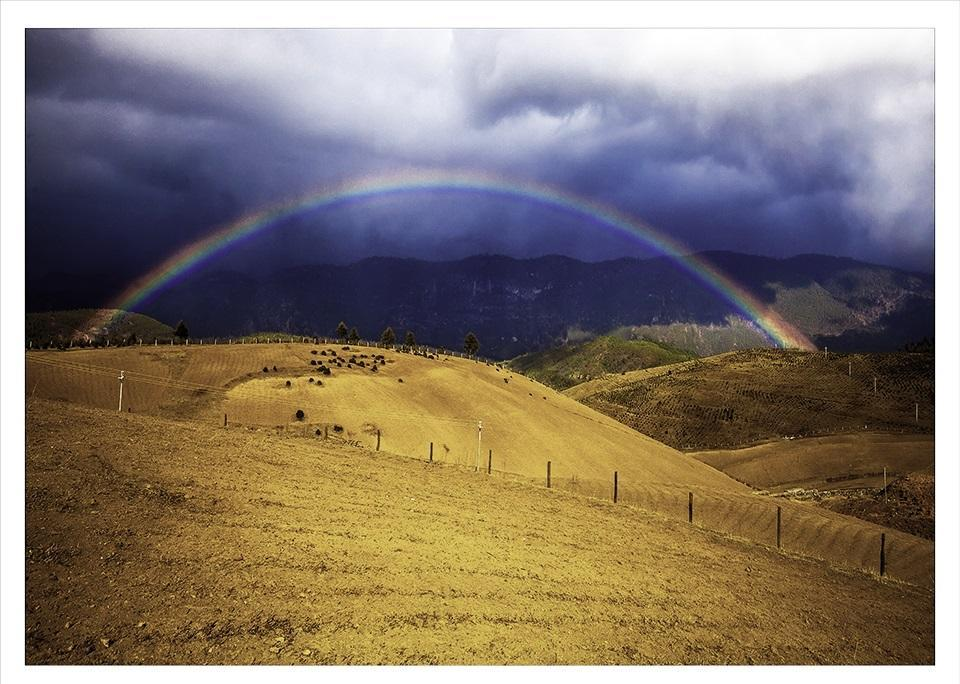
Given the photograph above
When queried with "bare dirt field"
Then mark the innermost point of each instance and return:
(152, 540)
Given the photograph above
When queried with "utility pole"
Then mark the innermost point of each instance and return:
(476, 467)
(120, 405)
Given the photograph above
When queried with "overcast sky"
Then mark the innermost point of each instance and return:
(768, 142)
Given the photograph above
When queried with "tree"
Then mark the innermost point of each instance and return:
(182, 331)
(354, 335)
(342, 331)
(388, 336)
(410, 340)
(471, 344)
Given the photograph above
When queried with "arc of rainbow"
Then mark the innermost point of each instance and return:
(769, 321)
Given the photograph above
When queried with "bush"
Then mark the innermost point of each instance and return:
(266, 370)
(317, 433)
(313, 351)
(274, 369)
(300, 414)
(313, 362)
(288, 383)
(338, 428)
(399, 379)
(311, 380)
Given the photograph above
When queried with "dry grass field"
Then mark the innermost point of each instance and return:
(744, 398)
(159, 540)
(525, 424)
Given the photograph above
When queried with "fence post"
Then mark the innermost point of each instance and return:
(431, 452)
(378, 440)
(615, 483)
(690, 507)
(883, 555)
(224, 420)
(778, 527)
(548, 474)
(489, 461)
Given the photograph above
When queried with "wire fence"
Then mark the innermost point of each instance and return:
(791, 527)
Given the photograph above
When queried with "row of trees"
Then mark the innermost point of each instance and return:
(471, 345)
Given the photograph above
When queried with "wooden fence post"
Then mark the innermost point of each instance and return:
(224, 420)
(378, 440)
(778, 527)
(690, 507)
(883, 555)
(431, 452)
(489, 461)
(615, 483)
(548, 474)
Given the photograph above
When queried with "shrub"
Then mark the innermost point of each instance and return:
(399, 379)
(311, 380)
(288, 383)
(313, 351)
(323, 353)
(373, 368)
(313, 362)
(266, 370)
(274, 369)
(300, 414)
(338, 428)
(317, 433)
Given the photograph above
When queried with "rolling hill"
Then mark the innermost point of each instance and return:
(64, 327)
(158, 541)
(743, 398)
(412, 401)
(570, 365)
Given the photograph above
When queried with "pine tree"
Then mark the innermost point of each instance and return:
(342, 331)
(354, 336)
(182, 331)
(410, 340)
(388, 336)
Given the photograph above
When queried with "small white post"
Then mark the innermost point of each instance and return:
(120, 405)
(850, 368)
(140, 342)
(916, 410)
(874, 384)
(884, 483)
(476, 466)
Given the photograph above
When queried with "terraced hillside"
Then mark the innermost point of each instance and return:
(742, 398)
(410, 401)
(151, 540)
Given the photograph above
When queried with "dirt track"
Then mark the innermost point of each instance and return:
(153, 541)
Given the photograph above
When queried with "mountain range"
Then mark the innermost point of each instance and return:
(515, 306)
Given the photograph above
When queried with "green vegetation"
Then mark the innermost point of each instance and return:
(388, 336)
(61, 327)
(570, 365)
(471, 345)
(699, 339)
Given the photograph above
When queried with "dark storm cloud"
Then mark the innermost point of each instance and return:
(146, 140)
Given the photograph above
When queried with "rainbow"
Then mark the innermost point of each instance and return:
(203, 250)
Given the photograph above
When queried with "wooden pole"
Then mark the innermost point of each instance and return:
(489, 461)
(916, 409)
(431, 452)
(224, 420)
(883, 554)
(615, 484)
(690, 507)
(378, 440)
(548, 474)
(778, 526)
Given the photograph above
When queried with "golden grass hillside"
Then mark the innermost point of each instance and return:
(411, 400)
(747, 397)
(151, 540)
